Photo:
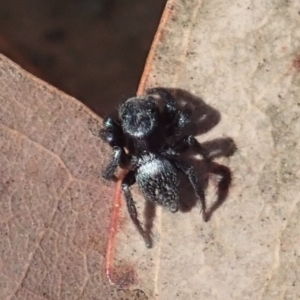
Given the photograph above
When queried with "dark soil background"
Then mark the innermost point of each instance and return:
(94, 50)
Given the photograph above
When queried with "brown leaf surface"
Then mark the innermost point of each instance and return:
(242, 59)
(54, 206)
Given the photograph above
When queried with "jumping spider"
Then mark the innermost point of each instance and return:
(150, 128)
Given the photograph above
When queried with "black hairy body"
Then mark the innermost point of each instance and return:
(148, 140)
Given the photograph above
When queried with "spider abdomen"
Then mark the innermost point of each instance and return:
(157, 180)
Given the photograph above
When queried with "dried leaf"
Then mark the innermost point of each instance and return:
(241, 59)
(54, 206)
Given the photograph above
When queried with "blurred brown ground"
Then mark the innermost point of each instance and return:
(94, 50)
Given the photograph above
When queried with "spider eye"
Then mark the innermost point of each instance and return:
(123, 116)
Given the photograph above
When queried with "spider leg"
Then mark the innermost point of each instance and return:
(118, 158)
(190, 142)
(190, 173)
(112, 133)
(129, 180)
(176, 119)
(223, 183)
(168, 98)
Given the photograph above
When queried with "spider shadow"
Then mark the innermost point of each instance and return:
(207, 172)
(204, 118)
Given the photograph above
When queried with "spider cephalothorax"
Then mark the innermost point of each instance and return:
(151, 128)
(139, 117)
